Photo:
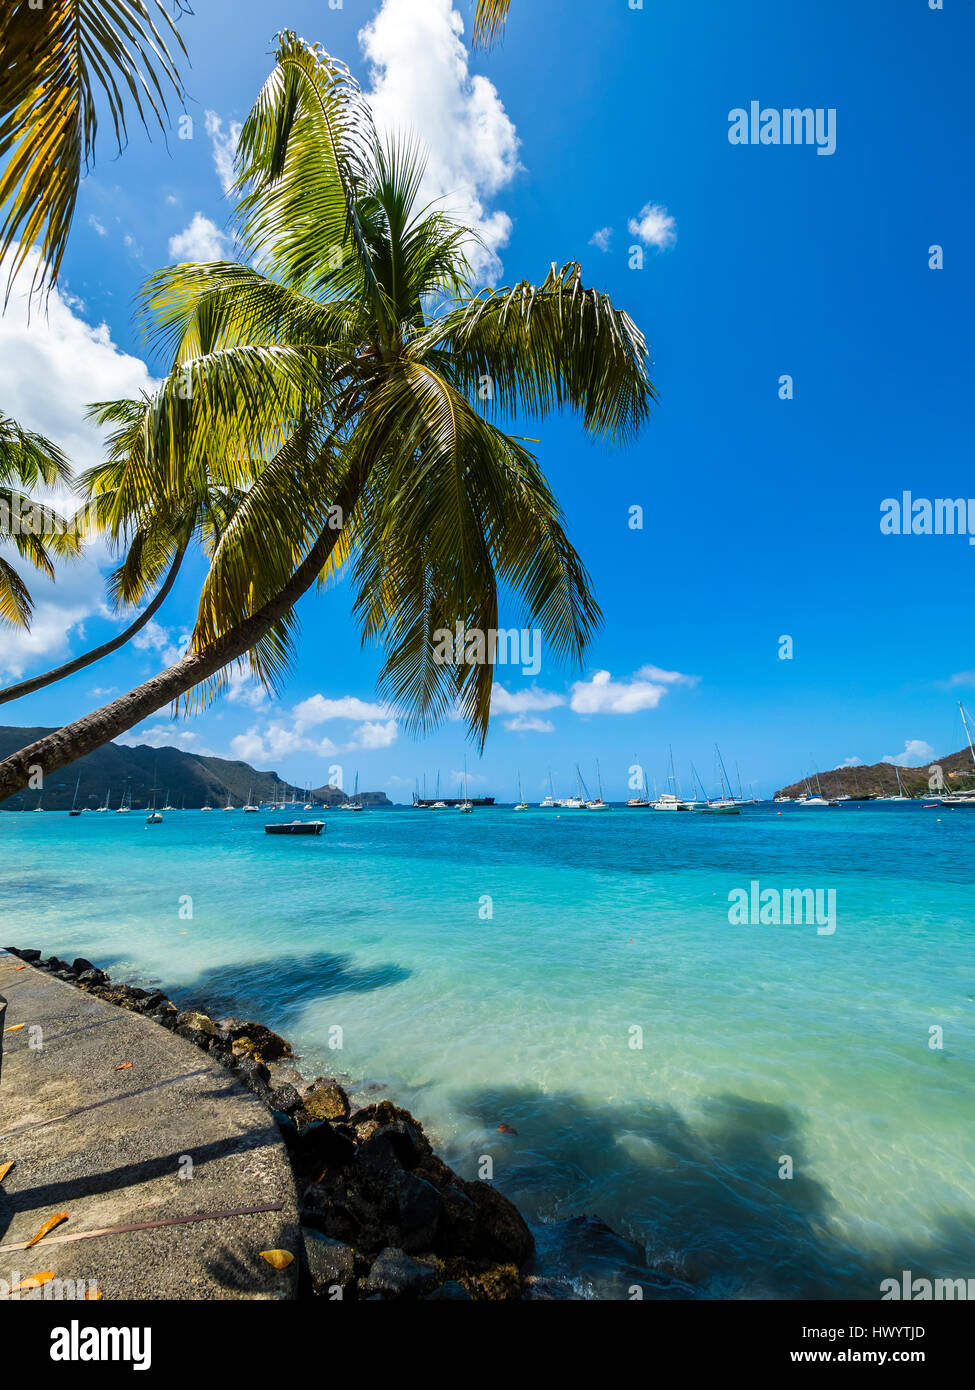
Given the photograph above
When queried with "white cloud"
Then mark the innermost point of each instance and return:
(852, 762)
(526, 723)
(318, 710)
(373, 735)
(244, 689)
(49, 373)
(202, 240)
(473, 778)
(99, 228)
(421, 82)
(165, 736)
(224, 147)
(603, 695)
(916, 751)
(960, 678)
(654, 673)
(155, 638)
(290, 732)
(654, 227)
(523, 701)
(601, 238)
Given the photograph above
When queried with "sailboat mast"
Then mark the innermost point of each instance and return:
(971, 747)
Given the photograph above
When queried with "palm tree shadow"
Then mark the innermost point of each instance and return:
(277, 991)
(635, 1194)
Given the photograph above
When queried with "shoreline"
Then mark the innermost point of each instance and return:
(382, 1216)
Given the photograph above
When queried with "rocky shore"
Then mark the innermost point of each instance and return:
(382, 1216)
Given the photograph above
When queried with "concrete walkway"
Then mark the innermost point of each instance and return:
(109, 1146)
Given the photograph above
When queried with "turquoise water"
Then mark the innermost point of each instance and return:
(758, 1042)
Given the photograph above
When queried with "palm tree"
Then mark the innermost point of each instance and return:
(36, 531)
(155, 533)
(342, 384)
(489, 19)
(51, 55)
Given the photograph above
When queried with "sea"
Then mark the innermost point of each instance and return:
(684, 1100)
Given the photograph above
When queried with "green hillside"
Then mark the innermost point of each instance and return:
(187, 778)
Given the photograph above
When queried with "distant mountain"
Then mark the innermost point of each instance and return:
(184, 777)
(880, 779)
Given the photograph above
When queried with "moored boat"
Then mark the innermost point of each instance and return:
(296, 827)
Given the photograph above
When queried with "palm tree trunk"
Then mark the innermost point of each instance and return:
(66, 745)
(16, 692)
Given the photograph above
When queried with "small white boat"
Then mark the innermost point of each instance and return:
(154, 818)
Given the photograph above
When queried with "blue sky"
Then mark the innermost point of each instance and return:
(761, 515)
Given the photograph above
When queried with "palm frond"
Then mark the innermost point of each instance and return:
(54, 59)
(490, 17)
(304, 155)
(538, 348)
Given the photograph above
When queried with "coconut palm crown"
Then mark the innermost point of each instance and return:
(357, 355)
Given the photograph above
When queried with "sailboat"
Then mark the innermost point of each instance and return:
(725, 805)
(818, 800)
(230, 804)
(154, 817)
(640, 802)
(577, 802)
(522, 803)
(40, 803)
(549, 802)
(465, 806)
(437, 804)
(900, 789)
(355, 804)
(962, 798)
(250, 805)
(75, 809)
(126, 804)
(672, 800)
(108, 797)
(598, 804)
(167, 806)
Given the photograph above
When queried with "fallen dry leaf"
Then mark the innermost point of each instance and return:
(92, 1294)
(277, 1259)
(33, 1281)
(506, 1129)
(15, 1027)
(122, 1066)
(5, 1168)
(48, 1226)
(19, 967)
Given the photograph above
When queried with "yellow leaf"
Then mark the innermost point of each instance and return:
(33, 1281)
(277, 1259)
(122, 1066)
(48, 1226)
(5, 1169)
(15, 1027)
(92, 1294)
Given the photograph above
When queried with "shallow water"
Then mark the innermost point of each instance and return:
(759, 1043)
